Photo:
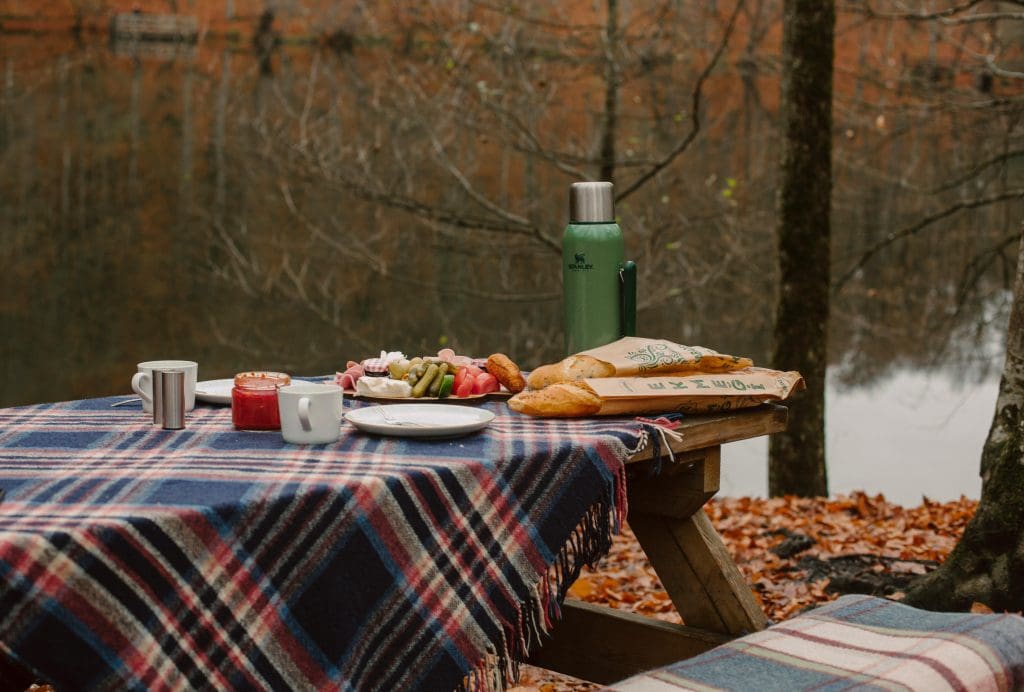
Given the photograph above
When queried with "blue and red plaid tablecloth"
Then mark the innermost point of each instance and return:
(134, 557)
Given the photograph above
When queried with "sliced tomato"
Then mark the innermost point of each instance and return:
(485, 383)
(464, 389)
(460, 377)
(472, 370)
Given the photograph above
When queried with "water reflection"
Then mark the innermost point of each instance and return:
(292, 214)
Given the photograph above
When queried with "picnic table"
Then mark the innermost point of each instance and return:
(604, 645)
(134, 557)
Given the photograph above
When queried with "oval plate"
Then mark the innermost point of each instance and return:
(472, 399)
(420, 420)
(219, 391)
(215, 391)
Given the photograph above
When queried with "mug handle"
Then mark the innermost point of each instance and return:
(304, 414)
(137, 380)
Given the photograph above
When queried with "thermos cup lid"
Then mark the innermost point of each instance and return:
(591, 203)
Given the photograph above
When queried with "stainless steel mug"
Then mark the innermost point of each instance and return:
(171, 399)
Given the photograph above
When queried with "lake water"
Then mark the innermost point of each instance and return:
(908, 437)
(307, 208)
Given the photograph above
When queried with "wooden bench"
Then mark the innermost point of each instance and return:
(858, 642)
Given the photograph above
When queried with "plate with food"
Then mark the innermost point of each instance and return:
(447, 377)
(420, 420)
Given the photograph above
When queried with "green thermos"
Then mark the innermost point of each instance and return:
(598, 286)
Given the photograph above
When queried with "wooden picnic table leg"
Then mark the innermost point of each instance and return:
(605, 645)
(665, 513)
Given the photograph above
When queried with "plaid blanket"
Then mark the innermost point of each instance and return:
(858, 642)
(134, 557)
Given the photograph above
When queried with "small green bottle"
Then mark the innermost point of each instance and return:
(592, 256)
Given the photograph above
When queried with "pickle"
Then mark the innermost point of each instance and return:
(447, 382)
(421, 387)
(412, 378)
(398, 368)
(435, 384)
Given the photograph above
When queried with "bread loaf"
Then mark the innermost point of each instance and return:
(507, 372)
(559, 400)
(570, 369)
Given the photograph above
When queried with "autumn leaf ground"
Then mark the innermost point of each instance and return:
(795, 552)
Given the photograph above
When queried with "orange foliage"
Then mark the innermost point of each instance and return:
(750, 528)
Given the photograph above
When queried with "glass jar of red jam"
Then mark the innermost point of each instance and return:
(254, 400)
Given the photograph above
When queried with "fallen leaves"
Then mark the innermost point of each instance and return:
(793, 552)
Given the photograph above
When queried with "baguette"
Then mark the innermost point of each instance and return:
(559, 400)
(570, 369)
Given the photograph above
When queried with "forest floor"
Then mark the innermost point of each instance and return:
(795, 552)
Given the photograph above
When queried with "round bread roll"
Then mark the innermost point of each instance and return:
(561, 400)
(569, 370)
(507, 372)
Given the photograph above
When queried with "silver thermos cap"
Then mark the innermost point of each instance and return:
(591, 203)
(172, 398)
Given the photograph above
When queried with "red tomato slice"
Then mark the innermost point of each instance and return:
(460, 377)
(485, 383)
(466, 388)
(472, 370)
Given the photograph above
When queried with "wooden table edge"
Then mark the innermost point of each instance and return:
(715, 429)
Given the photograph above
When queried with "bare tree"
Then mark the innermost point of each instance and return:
(797, 457)
(987, 563)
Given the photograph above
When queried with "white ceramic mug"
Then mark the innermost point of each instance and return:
(310, 413)
(142, 381)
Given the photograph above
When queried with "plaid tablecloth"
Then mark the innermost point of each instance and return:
(133, 557)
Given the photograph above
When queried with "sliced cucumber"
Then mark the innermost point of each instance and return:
(447, 383)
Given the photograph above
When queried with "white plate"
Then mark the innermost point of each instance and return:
(420, 420)
(219, 391)
(215, 391)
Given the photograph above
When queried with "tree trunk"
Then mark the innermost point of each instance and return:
(611, 93)
(797, 457)
(987, 564)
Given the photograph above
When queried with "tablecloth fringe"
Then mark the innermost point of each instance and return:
(538, 613)
(658, 432)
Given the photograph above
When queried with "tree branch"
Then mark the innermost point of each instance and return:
(694, 114)
(866, 9)
(915, 228)
(990, 63)
(977, 169)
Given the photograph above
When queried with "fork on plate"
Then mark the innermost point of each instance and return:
(386, 416)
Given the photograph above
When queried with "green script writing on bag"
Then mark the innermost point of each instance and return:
(661, 355)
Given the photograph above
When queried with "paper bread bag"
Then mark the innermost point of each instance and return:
(696, 393)
(637, 356)
(642, 376)
(634, 356)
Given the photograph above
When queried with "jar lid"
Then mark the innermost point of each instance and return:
(259, 379)
(375, 366)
